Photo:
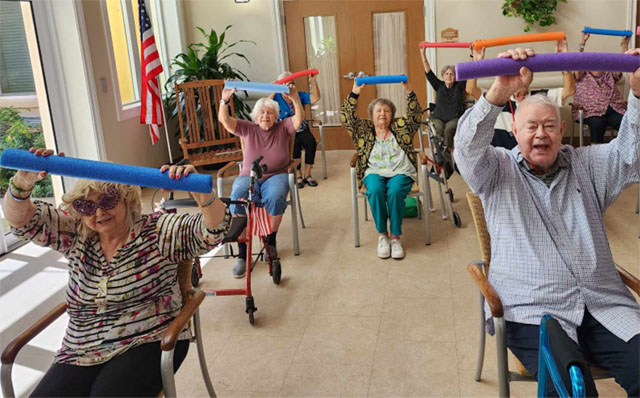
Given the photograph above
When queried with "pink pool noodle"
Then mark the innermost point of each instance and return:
(606, 62)
(444, 45)
(296, 75)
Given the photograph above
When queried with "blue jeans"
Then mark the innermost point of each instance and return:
(272, 193)
(597, 344)
(386, 197)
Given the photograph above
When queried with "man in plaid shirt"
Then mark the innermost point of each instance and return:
(544, 206)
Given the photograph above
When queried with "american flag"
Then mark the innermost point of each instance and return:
(260, 224)
(150, 111)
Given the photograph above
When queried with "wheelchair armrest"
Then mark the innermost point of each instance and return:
(354, 160)
(189, 307)
(489, 293)
(631, 281)
(226, 168)
(292, 165)
(11, 350)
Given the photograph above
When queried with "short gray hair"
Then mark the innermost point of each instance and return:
(382, 101)
(537, 99)
(284, 74)
(264, 102)
(446, 67)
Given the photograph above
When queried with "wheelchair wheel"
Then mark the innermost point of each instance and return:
(456, 219)
(276, 271)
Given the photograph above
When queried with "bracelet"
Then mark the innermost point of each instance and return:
(223, 102)
(210, 201)
(17, 188)
(17, 198)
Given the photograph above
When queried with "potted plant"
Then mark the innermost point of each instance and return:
(207, 61)
(532, 11)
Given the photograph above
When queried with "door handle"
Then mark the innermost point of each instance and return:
(349, 75)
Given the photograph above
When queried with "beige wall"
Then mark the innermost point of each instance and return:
(125, 141)
(251, 21)
(482, 19)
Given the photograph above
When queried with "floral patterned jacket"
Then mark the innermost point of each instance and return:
(363, 132)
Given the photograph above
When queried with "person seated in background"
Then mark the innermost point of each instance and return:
(503, 135)
(544, 204)
(123, 288)
(386, 161)
(599, 98)
(304, 136)
(450, 96)
(270, 138)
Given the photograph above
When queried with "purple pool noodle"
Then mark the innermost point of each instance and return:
(608, 32)
(102, 171)
(382, 79)
(606, 62)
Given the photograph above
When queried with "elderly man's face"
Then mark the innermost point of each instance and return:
(449, 77)
(266, 117)
(538, 131)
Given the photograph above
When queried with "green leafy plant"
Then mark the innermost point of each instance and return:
(532, 11)
(207, 61)
(16, 133)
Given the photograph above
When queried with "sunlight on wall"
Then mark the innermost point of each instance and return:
(120, 49)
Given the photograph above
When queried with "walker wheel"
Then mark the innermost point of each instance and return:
(456, 219)
(251, 320)
(450, 193)
(277, 271)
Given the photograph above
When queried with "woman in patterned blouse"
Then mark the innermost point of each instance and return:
(123, 290)
(386, 161)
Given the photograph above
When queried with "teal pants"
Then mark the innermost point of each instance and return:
(386, 197)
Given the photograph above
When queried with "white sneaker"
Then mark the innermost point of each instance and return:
(383, 247)
(397, 251)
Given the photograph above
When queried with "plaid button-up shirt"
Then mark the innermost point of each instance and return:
(549, 247)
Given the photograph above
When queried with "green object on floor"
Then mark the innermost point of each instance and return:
(410, 208)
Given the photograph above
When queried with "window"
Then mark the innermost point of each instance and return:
(123, 34)
(15, 66)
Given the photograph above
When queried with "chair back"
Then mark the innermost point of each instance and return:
(477, 213)
(202, 137)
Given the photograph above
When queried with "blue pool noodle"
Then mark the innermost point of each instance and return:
(382, 79)
(608, 32)
(102, 171)
(253, 86)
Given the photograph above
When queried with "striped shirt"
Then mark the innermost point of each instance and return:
(117, 305)
(549, 247)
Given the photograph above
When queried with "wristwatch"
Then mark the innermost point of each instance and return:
(223, 102)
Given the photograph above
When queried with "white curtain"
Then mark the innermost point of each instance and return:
(389, 45)
(322, 54)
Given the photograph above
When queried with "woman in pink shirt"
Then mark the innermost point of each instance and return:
(264, 136)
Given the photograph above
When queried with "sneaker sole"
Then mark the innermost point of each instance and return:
(384, 258)
(240, 276)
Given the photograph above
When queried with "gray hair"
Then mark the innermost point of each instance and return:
(381, 101)
(537, 99)
(447, 67)
(264, 102)
(283, 75)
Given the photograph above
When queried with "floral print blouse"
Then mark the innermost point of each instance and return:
(119, 304)
(595, 94)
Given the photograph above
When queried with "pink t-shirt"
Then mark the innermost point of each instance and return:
(273, 144)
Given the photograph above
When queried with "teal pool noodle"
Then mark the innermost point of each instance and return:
(254, 86)
(382, 79)
(102, 171)
(608, 32)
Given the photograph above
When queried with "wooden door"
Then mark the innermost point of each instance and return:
(346, 36)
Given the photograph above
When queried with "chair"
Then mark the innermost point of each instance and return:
(479, 271)
(192, 298)
(202, 137)
(581, 127)
(422, 195)
(294, 198)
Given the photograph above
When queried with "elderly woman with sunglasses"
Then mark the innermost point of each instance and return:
(123, 290)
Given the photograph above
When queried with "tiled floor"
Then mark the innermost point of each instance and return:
(342, 322)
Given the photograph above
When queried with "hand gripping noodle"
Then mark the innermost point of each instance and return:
(102, 171)
(606, 62)
(382, 79)
(253, 86)
(526, 38)
(607, 32)
(293, 76)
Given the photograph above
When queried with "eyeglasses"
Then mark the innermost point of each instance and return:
(106, 201)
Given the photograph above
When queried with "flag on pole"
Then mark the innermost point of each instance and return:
(260, 224)
(150, 101)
